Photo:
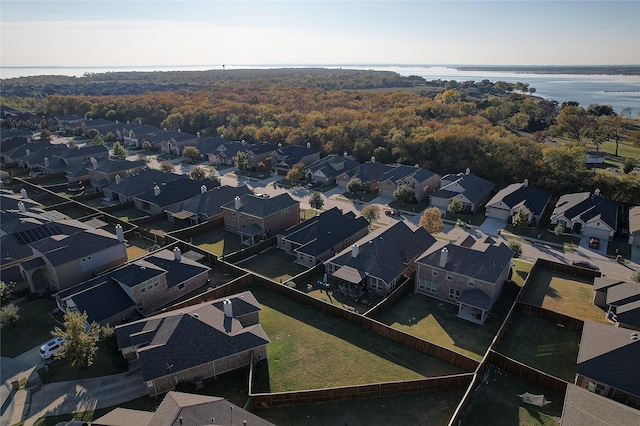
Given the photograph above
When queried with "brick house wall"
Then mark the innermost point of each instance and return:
(277, 222)
(156, 296)
(74, 272)
(147, 207)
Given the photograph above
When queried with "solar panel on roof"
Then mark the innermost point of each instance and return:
(30, 235)
(19, 238)
(47, 231)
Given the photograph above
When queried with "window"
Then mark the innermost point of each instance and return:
(454, 294)
(596, 388)
(435, 272)
(471, 283)
(180, 286)
(449, 276)
(426, 285)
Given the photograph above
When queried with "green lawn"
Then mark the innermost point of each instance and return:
(273, 263)
(129, 214)
(408, 207)
(33, 328)
(542, 345)
(475, 219)
(362, 196)
(429, 408)
(218, 242)
(312, 350)
(496, 403)
(108, 361)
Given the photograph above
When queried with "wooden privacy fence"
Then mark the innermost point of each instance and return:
(359, 392)
(201, 228)
(247, 252)
(526, 372)
(551, 316)
(566, 269)
(392, 298)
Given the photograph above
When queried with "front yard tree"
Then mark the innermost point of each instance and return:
(146, 145)
(5, 292)
(295, 174)
(81, 341)
(242, 161)
(191, 152)
(354, 185)
(119, 151)
(166, 166)
(46, 135)
(558, 230)
(98, 140)
(198, 173)
(403, 194)
(371, 212)
(521, 218)
(515, 247)
(316, 201)
(9, 315)
(431, 220)
(455, 206)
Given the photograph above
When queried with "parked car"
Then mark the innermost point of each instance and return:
(263, 195)
(314, 184)
(392, 212)
(585, 264)
(49, 349)
(594, 242)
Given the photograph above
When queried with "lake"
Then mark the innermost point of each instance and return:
(619, 91)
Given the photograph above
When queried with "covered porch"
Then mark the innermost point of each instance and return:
(351, 282)
(251, 234)
(474, 306)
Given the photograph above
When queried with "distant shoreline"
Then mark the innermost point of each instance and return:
(557, 69)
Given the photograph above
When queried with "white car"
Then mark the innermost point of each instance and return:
(49, 349)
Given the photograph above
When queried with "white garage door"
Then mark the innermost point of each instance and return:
(595, 232)
(498, 213)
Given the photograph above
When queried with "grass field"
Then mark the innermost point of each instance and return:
(218, 242)
(565, 294)
(496, 403)
(129, 214)
(273, 263)
(431, 408)
(33, 328)
(542, 345)
(312, 350)
(138, 247)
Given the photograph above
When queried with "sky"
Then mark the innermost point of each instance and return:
(207, 32)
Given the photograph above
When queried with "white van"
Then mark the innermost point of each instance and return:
(49, 349)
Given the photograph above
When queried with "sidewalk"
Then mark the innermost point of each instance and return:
(57, 398)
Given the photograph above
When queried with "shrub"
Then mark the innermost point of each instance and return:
(9, 315)
(516, 248)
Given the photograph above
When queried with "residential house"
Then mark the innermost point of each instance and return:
(103, 173)
(195, 342)
(209, 144)
(634, 227)
(127, 188)
(171, 142)
(9, 143)
(67, 159)
(36, 160)
(16, 156)
(227, 152)
(62, 261)
(378, 262)
(321, 237)
(67, 122)
(326, 169)
(168, 194)
(509, 200)
(186, 409)
(607, 362)
(469, 273)
(284, 158)
(423, 182)
(205, 206)
(80, 172)
(145, 285)
(369, 173)
(133, 134)
(582, 408)
(595, 157)
(620, 299)
(472, 191)
(255, 218)
(586, 213)
(260, 153)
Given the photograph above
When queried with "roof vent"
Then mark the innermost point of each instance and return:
(596, 192)
(634, 336)
(195, 315)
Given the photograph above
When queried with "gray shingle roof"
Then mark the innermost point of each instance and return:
(211, 201)
(586, 206)
(262, 207)
(142, 181)
(189, 337)
(584, 408)
(114, 166)
(515, 194)
(634, 219)
(475, 188)
(175, 191)
(368, 172)
(177, 271)
(608, 355)
(386, 252)
(125, 417)
(332, 165)
(293, 154)
(63, 249)
(623, 293)
(103, 301)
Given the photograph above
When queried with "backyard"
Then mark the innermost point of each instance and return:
(543, 345)
(218, 242)
(128, 214)
(312, 350)
(563, 293)
(497, 403)
(139, 246)
(336, 297)
(429, 408)
(273, 263)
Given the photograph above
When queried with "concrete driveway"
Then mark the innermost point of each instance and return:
(492, 226)
(584, 243)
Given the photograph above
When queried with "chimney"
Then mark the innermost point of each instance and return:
(596, 192)
(23, 193)
(140, 122)
(197, 134)
(179, 130)
(117, 179)
(526, 183)
(156, 190)
(128, 122)
(177, 254)
(228, 308)
(237, 202)
(117, 122)
(444, 253)
(28, 151)
(94, 162)
(466, 172)
(309, 145)
(46, 162)
(203, 189)
(373, 159)
(119, 233)
(21, 207)
(355, 250)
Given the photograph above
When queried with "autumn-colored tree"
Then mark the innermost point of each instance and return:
(192, 153)
(146, 145)
(81, 339)
(371, 212)
(296, 172)
(166, 166)
(431, 220)
(46, 135)
(198, 173)
(260, 167)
